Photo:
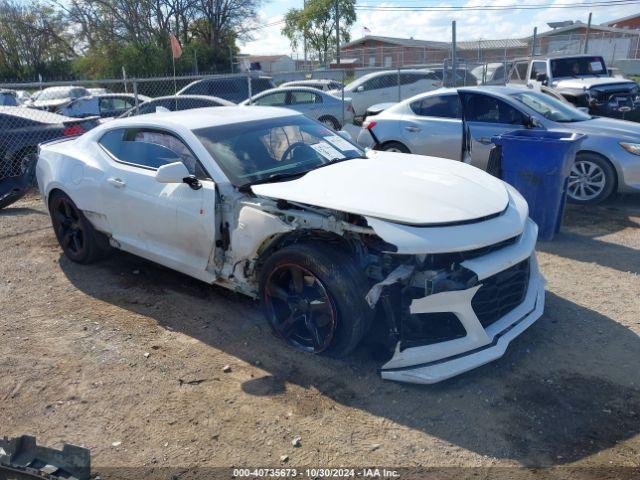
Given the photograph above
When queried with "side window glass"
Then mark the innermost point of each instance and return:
(150, 149)
(537, 68)
(445, 106)
(272, 100)
(301, 98)
(485, 109)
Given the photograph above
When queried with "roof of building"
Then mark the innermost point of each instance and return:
(402, 42)
(612, 23)
(593, 28)
(492, 44)
(265, 58)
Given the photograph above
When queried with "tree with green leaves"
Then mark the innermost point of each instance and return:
(316, 23)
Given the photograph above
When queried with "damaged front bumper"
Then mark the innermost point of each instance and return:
(487, 319)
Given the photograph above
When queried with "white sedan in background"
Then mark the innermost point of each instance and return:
(434, 259)
(328, 109)
(388, 86)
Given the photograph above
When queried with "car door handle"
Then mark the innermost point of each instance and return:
(116, 182)
(413, 129)
(484, 140)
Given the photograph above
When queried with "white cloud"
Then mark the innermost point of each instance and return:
(268, 40)
(430, 25)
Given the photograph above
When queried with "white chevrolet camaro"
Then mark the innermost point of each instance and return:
(430, 259)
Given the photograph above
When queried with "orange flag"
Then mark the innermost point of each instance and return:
(176, 49)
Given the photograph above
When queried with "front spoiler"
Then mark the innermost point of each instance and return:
(439, 361)
(441, 369)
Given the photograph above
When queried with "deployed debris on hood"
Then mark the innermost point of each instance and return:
(24, 455)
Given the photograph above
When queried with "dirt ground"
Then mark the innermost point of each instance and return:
(126, 358)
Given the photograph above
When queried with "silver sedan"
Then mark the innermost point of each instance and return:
(314, 103)
(431, 124)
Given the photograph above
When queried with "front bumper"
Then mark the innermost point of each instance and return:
(480, 345)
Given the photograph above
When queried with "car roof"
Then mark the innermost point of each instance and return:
(311, 80)
(209, 98)
(33, 114)
(196, 118)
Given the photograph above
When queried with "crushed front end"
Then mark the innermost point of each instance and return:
(447, 312)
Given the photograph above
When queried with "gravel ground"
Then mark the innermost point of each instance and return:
(127, 358)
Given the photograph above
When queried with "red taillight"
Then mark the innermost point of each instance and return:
(73, 130)
(369, 124)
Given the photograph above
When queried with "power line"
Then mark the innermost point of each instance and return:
(453, 8)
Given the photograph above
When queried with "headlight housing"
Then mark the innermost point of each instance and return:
(632, 148)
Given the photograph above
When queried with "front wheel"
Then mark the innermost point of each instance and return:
(314, 299)
(592, 180)
(394, 147)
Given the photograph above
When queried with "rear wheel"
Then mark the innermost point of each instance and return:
(592, 179)
(80, 242)
(330, 122)
(394, 147)
(314, 298)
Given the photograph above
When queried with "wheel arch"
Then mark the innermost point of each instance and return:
(393, 140)
(276, 242)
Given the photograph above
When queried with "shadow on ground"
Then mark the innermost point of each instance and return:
(585, 225)
(567, 388)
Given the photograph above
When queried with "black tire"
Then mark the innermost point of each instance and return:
(80, 242)
(345, 284)
(394, 147)
(590, 163)
(330, 121)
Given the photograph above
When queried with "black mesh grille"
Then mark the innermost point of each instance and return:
(423, 329)
(501, 293)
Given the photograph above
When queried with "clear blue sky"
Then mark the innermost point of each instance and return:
(471, 25)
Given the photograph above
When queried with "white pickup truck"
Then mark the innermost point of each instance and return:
(584, 81)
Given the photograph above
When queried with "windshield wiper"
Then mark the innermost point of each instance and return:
(338, 160)
(274, 177)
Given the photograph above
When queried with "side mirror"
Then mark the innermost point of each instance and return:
(542, 78)
(172, 173)
(360, 88)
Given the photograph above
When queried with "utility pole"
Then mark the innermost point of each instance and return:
(304, 6)
(230, 58)
(337, 33)
(533, 42)
(586, 39)
(454, 59)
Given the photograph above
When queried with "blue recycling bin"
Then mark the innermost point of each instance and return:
(537, 163)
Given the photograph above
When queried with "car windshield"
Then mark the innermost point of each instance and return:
(268, 150)
(580, 66)
(550, 107)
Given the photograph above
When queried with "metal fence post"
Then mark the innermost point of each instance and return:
(249, 88)
(399, 86)
(135, 93)
(344, 79)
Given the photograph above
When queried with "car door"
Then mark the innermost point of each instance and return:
(172, 224)
(486, 116)
(305, 102)
(435, 126)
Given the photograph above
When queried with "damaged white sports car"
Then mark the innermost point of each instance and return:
(431, 259)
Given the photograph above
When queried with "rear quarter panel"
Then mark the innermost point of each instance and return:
(75, 167)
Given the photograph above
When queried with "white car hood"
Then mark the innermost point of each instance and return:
(588, 82)
(408, 189)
